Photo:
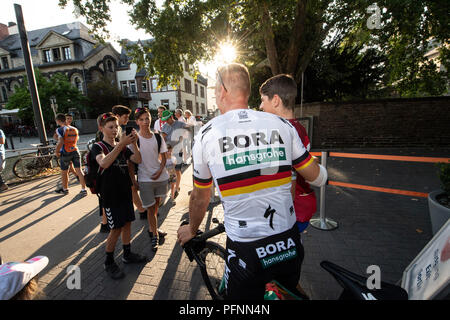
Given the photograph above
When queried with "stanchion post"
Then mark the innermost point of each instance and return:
(323, 223)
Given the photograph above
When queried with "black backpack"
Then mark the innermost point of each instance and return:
(92, 170)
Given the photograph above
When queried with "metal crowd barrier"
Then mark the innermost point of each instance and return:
(324, 223)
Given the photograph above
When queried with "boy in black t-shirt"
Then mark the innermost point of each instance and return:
(115, 190)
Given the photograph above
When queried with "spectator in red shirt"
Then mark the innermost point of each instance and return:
(278, 97)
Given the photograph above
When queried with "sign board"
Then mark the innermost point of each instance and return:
(429, 273)
(307, 123)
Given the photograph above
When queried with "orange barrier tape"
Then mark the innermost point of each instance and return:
(386, 190)
(387, 157)
(317, 154)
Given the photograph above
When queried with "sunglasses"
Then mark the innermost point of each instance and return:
(140, 109)
(221, 80)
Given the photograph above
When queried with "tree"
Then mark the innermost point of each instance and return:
(103, 94)
(284, 35)
(58, 86)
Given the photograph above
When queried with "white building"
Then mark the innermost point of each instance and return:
(142, 90)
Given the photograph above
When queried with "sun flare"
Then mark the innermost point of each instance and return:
(226, 53)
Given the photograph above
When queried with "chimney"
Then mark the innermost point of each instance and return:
(12, 28)
(3, 31)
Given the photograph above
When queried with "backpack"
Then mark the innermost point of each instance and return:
(92, 170)
(158, 140)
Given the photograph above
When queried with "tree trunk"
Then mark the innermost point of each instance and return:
(269, 39)
(295, 40)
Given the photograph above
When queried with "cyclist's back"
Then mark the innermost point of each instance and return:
(249, 156)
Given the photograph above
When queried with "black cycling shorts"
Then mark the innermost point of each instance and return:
(250, 265)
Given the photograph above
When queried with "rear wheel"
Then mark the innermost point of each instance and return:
(214, 257)
(27, 167)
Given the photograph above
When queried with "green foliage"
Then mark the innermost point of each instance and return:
(288, 34)
(444, 176)
(103, 94)
(58, 86)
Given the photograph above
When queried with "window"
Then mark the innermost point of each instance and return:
(154, 85)
(186, 66)
(56, 54)
(124, 88)
(202, 91)
(47, 56)
(196, 89)
(197, 110)
(109, 66)
(203, 108)
(4, 94)
(132, 86)
(78, 84)
(189, 105)
(165, 103)
(5, 63)
(187, 86)
(67, 53)
(145, 105)
(144, 85)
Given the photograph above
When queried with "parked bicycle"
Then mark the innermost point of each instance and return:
(210, 257)
(30, 164)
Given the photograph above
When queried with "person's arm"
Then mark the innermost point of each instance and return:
(198, 204)
(132, 174)
(2, 140)
(162, 166)
(200, 196)
(59, 146)
(136, 157)
(106, 161)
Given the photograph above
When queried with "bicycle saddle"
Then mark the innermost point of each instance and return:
(355, 285)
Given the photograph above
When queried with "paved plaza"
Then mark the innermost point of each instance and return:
(374, 229)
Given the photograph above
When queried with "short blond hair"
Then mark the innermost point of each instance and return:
(236, 78)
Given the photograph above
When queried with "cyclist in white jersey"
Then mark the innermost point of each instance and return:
(249, 155)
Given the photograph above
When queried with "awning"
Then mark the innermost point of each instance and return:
(7, 112)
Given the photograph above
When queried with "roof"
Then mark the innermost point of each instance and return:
(72, 31)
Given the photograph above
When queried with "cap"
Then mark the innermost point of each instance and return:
(166, 115)
(15, 275)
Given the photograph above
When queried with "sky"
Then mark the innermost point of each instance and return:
(40, 14)
(47, 13)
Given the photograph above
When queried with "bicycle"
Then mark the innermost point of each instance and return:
(30, 165)
(210, 257)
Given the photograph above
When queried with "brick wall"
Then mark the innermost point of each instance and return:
(418, 122)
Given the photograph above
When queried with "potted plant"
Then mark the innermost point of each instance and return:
(439, 200)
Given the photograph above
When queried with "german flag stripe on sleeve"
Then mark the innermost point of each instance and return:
(202, 183)
(253, 181)
(304, 161)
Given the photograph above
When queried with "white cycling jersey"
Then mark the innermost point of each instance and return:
(249, 156)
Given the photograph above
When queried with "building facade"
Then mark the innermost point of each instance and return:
(66, 48)
(143, 89)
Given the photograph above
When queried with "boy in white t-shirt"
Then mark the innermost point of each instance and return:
(152, 174)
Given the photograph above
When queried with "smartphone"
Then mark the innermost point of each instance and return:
(128, 130)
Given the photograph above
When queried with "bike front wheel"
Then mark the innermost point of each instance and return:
(27, 166)
(214, 256)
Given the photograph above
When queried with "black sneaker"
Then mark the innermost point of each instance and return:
(155, 242)
(114, 271)
(83, 193)
(62, 191)
(134, 258)
(176, 194)
(104, 228)
(161, 234)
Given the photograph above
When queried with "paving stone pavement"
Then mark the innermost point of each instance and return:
(374, 229)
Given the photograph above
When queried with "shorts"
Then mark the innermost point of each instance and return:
(179, 161)
(250, 265)
(119, 215)
(149, 191)
(73, 157)
(172, 178)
